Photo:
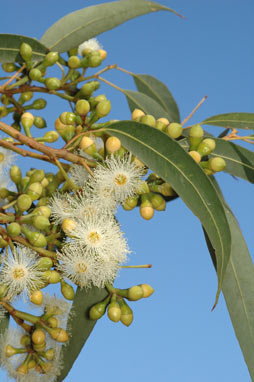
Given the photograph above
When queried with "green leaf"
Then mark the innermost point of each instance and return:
(238, 290)
(157, 90)
(232, 120)
(10, 45)
(239, 161)
(4, 323)
(168, 159)
(79, 325)
(142, 101)
(77, 27)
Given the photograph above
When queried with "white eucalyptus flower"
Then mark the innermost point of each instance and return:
(61, 208)
(79, 175)
(91, 44)
(6, 159)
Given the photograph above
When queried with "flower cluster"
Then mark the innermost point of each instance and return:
(95, 246)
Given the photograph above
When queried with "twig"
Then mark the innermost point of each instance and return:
(194, 110)
(13, 77)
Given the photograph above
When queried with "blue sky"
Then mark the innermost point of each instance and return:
(174, 336)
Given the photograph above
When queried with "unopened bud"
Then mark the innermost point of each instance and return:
(158, 202)
(135, 293)
(103, 53)
(67, 291)
(147, 289)
(126, 313)
(52, 277)
(49, 354)
(137, 113)
(114, 311)
(51, 58)
(39, 104)
(87, 145)
(130, 203)
(148, 120)
(113, 144)
(68, 225)
(40, 222)
(15, 174)
(216, 164)
(37, 176)
(103, 108)
(74, 62)
(82, 107)
(195, 155)
(35, 74)
(146, 209)
(44, 263)
(206, 147)
(13, 229)
(27, 120)
(38, 336)
(35, 190)
(25, 51)
(196, 134)
(174, 130)
(51, 137)
(36, 297)
(53, 83)
(98, 310)
(59, 335)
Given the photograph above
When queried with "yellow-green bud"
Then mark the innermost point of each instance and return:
(39, 104)
(3, 290)
(24, 202)
(3, 244)
(103, 108)
(67, 291)
(87, 145)
(40, 222)
(113, 144)
(23, 369)
(49, 354)
(103, 53)
(114, 311)
(147, 289)
(9, 351)
(216, 164)
(13, 229)
(146, 209)
(98, 310)
(43, 210)
(51, 58)
(143, 188)
(39, 347)
(35, 74)
(37, 176)
(25, 97)
(174, 130)
(44, 263)
(25, 340)
(53, 322)
(53, 83)
(126, 313)
(195, 155)
(68, 225)
(166, 190)
(163, 120)
(158, 202)
(52, 277)
(137, 113)
(130, 203)
(40, 122)
(25, 51)
(36, 297)
(94, 59)
(82, 107)
(4, 193)
(15, 174)
(59, 335)
(27, 120)
(206, 147)
(74, 62)
(135, 293)
(62, 117)
(34, 190)
(70, 118)
(148, 120)
(9, 67)
(196, 134)
(35, 238)
(160, 126)
(38, 336)
(51, 137)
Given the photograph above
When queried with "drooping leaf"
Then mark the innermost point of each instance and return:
(239, 161)
(81, 25)
(79, 325)
(157, 90)
(10, 45)
(238, 290)
(232, 120)
(142, 101)
(168, 159)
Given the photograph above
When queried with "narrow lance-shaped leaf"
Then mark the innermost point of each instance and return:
(10, 45)
(81, 25)
(157, 90)
(137, 100)
(168, 159)
(79, 326)
(238, 289)
(233, 120)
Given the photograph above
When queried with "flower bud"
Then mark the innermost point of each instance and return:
(9, 67)
(147, 289)
(148, 120)
(23, 369)
(44, 263)
(15, 174)
(135, 293)
(3, 244)
(34, 190)
(36, 297)
(103, 108)
(51, 137)
(40, 122)
(160, 126)
(88, 89)
(114, 311)
(49, 354)
(67, 291)
(94, 59)
(137, 113)
(40, 222)
(166, 190)
(39, 347)
(24, 202)
(68, 225)
(146, 209)
(206, 147)
(39, 104)
(25, 340)
(44, 182)
(98, 310)
(31, 364)
(174, 130)
(43, 202)
(43, 210)
(25, 97)
(158, 202)
(51, 58)
(165, 121)
(82, 107)
(52, 277)
(59, 335)
(53, 83)
(53, 322)
(103, 53)
(216, 164)
(130, 203)
(74, 62)
(35, 238)
(9, 351)
(126, 313)
(4, 193)
(113, 144)
(25, 51)
(87, 145)
(37, 176)
(70, 118)
(196, 134)
(38, 336)
(143, 188)
(195, 155)
(35, 74)
(13, 229)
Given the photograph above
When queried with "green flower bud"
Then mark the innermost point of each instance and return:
(94, 59)
(52, 277)
(70, 118)
(44, 263)
(146, 208)
(147, 289)
(158, 202)
(13, 229)
(206, 147)
(82, 107)
(98, 310)
(25, 97)
(148, 120)
(63, 117)
(135, 293)
(137, 114)
(130, 203)
(174, 130)
(25, 340)
(42, 211)
(51, 58)
(73, 51)
(40, 122)
(196, 134)
(25, 51)
(37, 176)
(15, 174)
(126, 313)
(24, 183)
(114, 311)
(216, 164)
(51, 137)
(160, 126)
(40, 222)
(9, 351)
(58, 334)
(24, 202)
(113, 144)
(53, 322)
(35, 238)
(67, 291)
(53, 83)
(3, 244)
(49, 354)
(36, 297)
(35, 190)
(143, 188)
(44, 201)
(87, 145)
(27, 120)
(51, 187)
(166, 190)
(9, 67)
(74, 62)
(39, 104)
(88, 88)
(103, 108)
(35, 74)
